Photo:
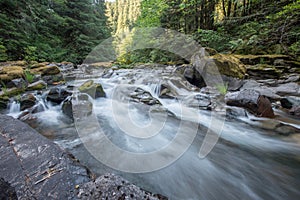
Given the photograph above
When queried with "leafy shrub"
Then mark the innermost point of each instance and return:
(212, 39)
(28, 76)
(3, 54)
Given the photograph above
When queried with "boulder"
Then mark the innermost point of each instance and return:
(193, 76)
(200, 101)
(292, 89)
(255, 103)
(65, 67)
(39, 85)
(18, 83)
(45, 69)
(58, 94)
(78, 106)
(95, 90)
(11, 92)
(27, 101)
(8, 73)
(141, 96)
(264, 71)
(235, 112)
(285, 103)
(263, 90)
(227, 65)
(110, 186)
(166, 92)
(28, 118)
(35, 166)
(261, 59)
(53, 79)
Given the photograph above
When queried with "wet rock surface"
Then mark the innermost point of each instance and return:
(252, 101)
(34, 166)
(58, 94)
(95, 90)
(27, 101)
(7, 191)
(110, 186)
(78, 106)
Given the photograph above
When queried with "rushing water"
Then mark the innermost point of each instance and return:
(246, 163)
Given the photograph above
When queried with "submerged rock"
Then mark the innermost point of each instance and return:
(95, 90)
(110, 186)
(251, 100)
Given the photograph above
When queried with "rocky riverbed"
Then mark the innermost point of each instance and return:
(256, 97)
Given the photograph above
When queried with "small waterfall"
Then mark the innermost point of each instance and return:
(14, 107)
(41, 104)
(155, 89)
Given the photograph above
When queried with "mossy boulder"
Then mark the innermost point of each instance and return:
(264, 71)
(45, 70)
(227, 65)
(261, 59)
(8, 73)
(21, 63)
(39, 85)
(11, 92)
(95, 90)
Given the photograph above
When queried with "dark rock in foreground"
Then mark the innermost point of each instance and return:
(6, 191)
(34, 166)
(110, 186)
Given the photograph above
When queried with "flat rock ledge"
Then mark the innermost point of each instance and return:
(33, 167)
(110, 186)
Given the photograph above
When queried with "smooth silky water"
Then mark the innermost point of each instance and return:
(246, 163)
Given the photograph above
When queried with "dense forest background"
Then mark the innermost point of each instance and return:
(57, 30)
(51, 30)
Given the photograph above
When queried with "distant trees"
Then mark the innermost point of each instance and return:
(52, 30)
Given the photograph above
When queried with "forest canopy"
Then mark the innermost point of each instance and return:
(57, 30)
(51, 30)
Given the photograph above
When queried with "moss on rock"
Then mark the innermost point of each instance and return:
(228, 65)
(95, 90)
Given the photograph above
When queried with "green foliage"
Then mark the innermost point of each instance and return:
(149, 56)
(152, 11)
(222, 88)
(28, 76)
(3, 54)
(30, 53)
(54, 30)
(212, 39)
